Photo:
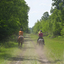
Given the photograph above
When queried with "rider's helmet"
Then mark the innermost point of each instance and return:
(40, 30)
(21, 29)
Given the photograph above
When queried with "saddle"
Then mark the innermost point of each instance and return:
(20, 38)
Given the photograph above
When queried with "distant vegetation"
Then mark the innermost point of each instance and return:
(13, 16)
(52, 25)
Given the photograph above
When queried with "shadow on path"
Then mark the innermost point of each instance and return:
(31, 58)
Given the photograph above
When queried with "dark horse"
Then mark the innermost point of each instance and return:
(20, 40)
(40, 41)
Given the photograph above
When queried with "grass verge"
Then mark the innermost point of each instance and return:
(9, 49)
(55, 49)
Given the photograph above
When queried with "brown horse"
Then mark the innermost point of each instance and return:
(20, 40)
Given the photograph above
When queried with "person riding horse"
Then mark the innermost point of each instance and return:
(20, 38)
(40, 34)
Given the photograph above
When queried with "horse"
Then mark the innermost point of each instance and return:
(20, 40)
(40, 41)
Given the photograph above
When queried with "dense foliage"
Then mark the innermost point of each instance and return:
(13, 16)
(52, 25)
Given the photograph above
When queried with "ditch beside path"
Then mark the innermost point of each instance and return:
(31, 54)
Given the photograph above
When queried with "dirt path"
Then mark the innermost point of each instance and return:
(31, 54)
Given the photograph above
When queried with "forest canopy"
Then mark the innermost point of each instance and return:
(13, 16)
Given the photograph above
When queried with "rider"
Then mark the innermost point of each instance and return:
(21, 32)
(40, 34)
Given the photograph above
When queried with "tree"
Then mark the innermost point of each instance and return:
(56, 3)
(45, 16)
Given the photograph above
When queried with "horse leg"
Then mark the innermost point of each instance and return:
(43, 42)
(18, 41)
(21, 42)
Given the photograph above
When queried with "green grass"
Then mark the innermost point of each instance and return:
(54, 48)
(9, 49)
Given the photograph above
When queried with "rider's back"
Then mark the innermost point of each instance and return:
(40, 34)
(21, 33)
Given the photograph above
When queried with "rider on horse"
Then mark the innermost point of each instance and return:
(40, 34)
(20, 37)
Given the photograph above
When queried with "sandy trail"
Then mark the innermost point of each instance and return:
(31, 54)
